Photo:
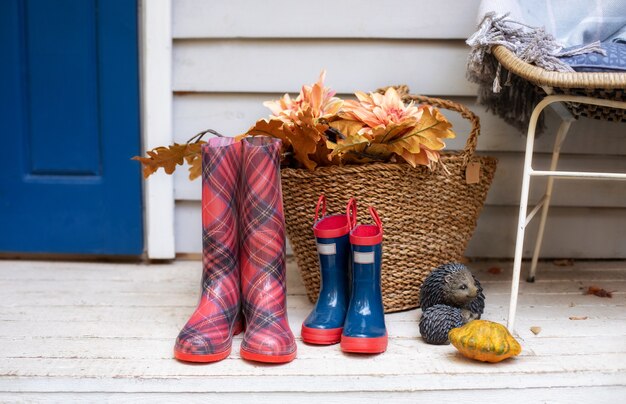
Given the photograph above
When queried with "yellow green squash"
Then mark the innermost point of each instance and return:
(484, 341)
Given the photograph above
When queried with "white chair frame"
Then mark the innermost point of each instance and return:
(524, 219)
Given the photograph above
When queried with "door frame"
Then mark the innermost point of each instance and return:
(156, 123)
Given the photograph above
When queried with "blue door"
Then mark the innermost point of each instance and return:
(69, 124)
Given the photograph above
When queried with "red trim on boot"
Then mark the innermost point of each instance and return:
(257, 357)
(187, 357)
(331, 227)
(364, 345)
(318, 336)
(368, 234)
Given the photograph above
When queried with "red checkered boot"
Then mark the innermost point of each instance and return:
(208, 334)
(268, 337)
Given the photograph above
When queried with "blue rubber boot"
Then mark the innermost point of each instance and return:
(364, 330)
(325, 323)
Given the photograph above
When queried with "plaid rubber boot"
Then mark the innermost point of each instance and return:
(268, 337)
(208, 334)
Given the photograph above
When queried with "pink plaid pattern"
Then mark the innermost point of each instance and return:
(210, 328)
(263, 281)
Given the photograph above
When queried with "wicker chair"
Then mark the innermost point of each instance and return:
(596, 95)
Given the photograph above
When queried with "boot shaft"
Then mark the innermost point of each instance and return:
(221, 172)
(262, 222)
(268, 337)
(365, 318)
(334, 257)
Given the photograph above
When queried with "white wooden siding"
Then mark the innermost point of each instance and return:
(324, 19)
(229, 57)
(156, 111)
(281, 65)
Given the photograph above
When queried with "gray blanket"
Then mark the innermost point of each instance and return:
(537, 31)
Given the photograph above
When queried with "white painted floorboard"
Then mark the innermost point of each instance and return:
(104, 332)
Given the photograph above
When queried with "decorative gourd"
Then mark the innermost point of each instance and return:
(484, 341)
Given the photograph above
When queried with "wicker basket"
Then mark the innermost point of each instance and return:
(428, 217)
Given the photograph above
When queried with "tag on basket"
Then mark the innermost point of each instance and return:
(472, 173)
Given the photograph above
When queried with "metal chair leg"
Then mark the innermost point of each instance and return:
(560, 137)
(523, 207)
(523, 220)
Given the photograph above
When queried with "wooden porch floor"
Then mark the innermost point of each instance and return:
(97, 332)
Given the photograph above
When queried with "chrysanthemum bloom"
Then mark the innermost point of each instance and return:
(320, 100)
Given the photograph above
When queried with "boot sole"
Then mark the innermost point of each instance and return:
(364, 345)
(201, 358)
(317, 336)
(257, 357)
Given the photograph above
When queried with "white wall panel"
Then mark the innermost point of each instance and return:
(278, 65)
(324, 19)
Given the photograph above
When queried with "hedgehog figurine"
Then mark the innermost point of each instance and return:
(437, 321)
(453, 285)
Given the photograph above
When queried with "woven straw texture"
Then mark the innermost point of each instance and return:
(428, 217)
(604, 85)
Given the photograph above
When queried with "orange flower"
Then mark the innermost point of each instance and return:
(319, 99)
(380, 110)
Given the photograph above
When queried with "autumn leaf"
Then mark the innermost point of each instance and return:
(417, 142)
(346, 127)
(359, 149)
(271, 128)
(428, 132)
(305, 139)
(598, 291)
(323, 156)
(388, 134)
(194, 159)
(354, 142)
(169, 157)
(495, 270)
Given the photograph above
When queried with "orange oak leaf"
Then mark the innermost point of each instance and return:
(346, 127)
(194, 159)
(169, 157)
(272, 128)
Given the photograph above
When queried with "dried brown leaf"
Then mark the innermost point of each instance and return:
(347, 127)
(169, 157)
(578, 317)
(598, 291)
(535, 330)
(271, 128)
(495, 270)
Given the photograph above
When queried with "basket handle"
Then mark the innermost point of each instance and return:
(351, 213)
(470, 145)
(321, 202)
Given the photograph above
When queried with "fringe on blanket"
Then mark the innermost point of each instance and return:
(505, 94)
